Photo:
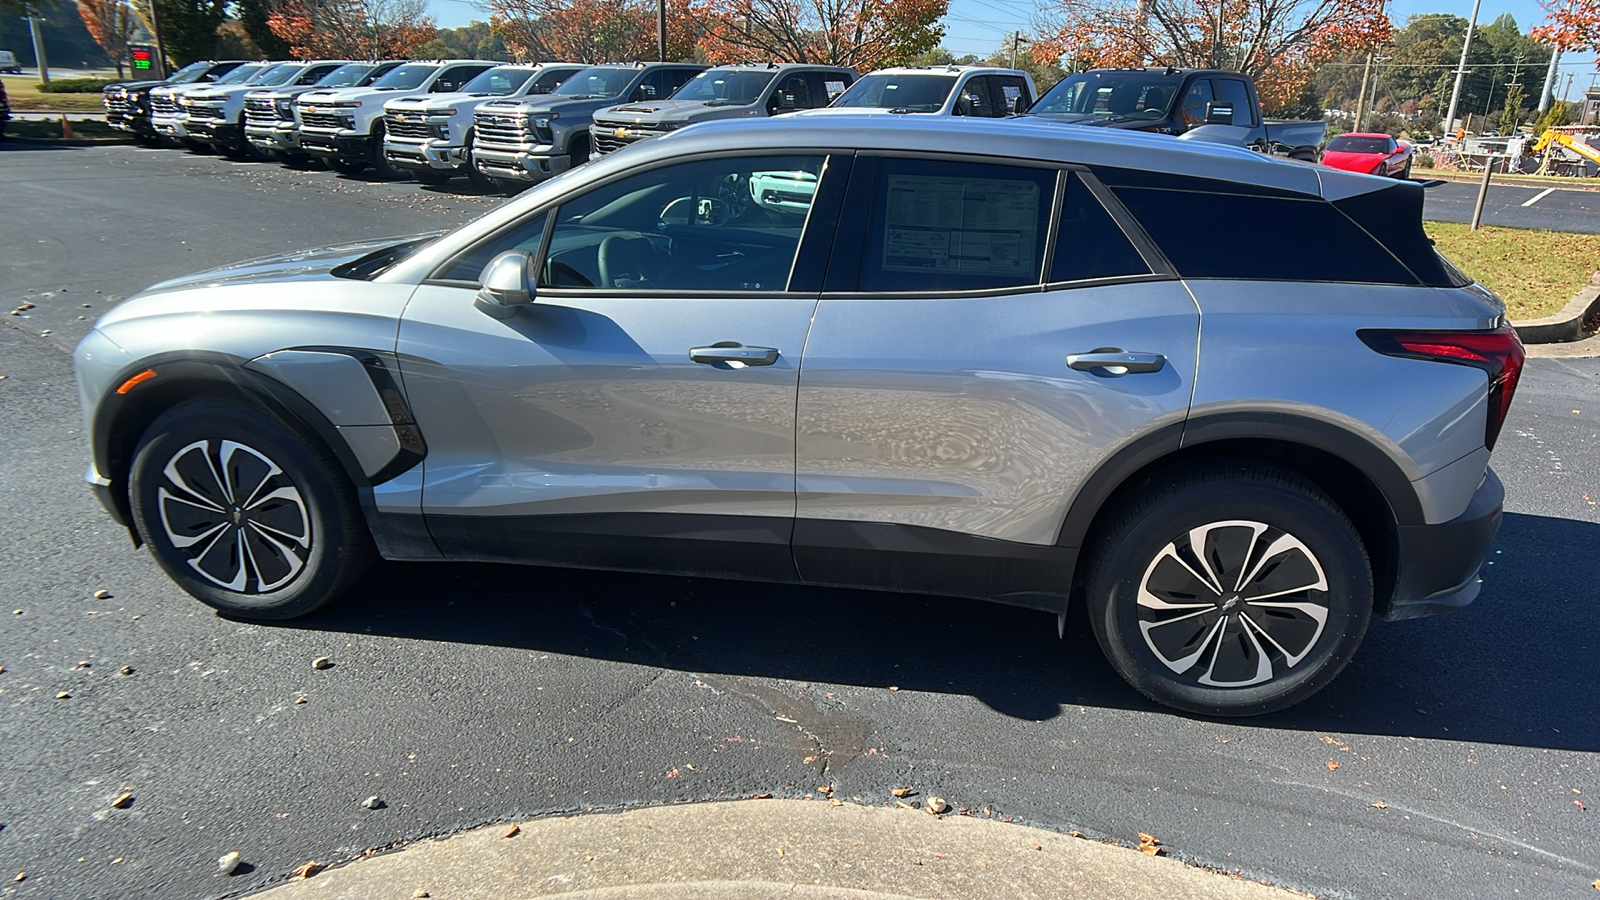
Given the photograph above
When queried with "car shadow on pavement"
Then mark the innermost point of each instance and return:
(1514, 668)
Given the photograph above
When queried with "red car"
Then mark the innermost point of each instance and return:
(1369, 154)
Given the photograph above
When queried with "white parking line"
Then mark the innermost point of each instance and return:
(1539, 196)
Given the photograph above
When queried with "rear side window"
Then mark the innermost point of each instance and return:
(945, 226)
(1230, 91)
(1280, 239)
(1011, 94)
(1089, 244)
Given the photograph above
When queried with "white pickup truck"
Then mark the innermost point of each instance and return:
(430, 135)
(169, 120)
(269, 121)
(345, 127)
(216, 113)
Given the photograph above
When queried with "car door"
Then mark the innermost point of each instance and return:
(640, 412)
(453, 78)
(792, 93)
(959, 381)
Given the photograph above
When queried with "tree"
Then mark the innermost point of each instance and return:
(865, 34)
(593, 30)
(110, 23)
(188, 27)
(1573, 25)
(1277, 42)
(352, 29)
(252, 16)
(474, 40)
(1511, 116)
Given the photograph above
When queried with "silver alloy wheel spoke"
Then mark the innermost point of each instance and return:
(1268, 623)
(256, 539)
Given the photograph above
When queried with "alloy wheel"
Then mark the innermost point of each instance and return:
(1233, 603)
(234, 516)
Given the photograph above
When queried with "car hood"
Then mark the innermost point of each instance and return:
(224, 93)
(679, 111)
(1353, 162)
(299, 265)
(548, 103)
(131, 85)
(452, 100)
(345, 95)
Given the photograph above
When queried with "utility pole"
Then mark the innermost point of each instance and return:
(1017, 40)
(1550, 76)
(1461, 70)
(661, 30)
(38, 50)
(1361, 98)
(1377, 70)
(161, 48)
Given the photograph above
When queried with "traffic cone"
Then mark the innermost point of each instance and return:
(66, 128)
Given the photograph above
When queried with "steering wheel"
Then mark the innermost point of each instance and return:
(624, 261)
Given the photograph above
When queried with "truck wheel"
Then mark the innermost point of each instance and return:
(194, 146)
(580, 150)
(345, 166)
(380, 163)
(431, 176)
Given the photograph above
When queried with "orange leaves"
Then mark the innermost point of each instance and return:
(1148, 845)
(866, 34)
(110, 23)
(1573, 25)
(352, 29)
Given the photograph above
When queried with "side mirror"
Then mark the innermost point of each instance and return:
(506, 285)
(786, 101)
(1219, 113)
(645, 92)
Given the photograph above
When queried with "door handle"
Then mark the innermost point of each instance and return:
(1111, 362)
(734, 355)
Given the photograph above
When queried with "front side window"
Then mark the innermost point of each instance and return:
(1133, 95)
(499, 81)
(722, 87)
(1234, 92)
(917, 93)
(946, 226)
(347, 75)
(792, 93)
(1012, 95)
(453, 79)
(1194, 103)
(730, 224)
(597, 81)
(466, 268)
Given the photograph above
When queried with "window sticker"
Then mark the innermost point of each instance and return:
(835, 88)
(1012, 92)
(986, 226)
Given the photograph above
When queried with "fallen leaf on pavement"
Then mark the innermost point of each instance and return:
(1332, 765)
(764, 795)
(513, 831)
(835, 801)
(63, 695)
(902, 792)
(894, 687)
(1148, 845)
(322, 662)
(102, 594)
(1579, 804)
(1378, 804)
(122, 800)
(419, 894)
(937, 805)
(306, 870)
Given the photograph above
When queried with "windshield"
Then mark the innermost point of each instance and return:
(599, 81)
(910, 92)
(242, 74)
(726, 88)
(189, 74)
(498, 81)
(1346, 143)
(348, 75)
(550, 79)
(281, 75)
(1131, 95)
(405, 78)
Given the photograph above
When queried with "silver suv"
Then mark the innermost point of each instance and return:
(1012, 364)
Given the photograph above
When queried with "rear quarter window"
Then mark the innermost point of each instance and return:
(1215, 235)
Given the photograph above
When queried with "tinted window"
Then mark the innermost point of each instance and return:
(498, 81)
(730, 224)
(599, 81)
(726, 87)
(467, 267)
(833, 84)
(1394, 216)
(550, 79)
(1230, 91)
(1345, 143)
(453, 79)
(1289, 240)
(406, 78)
(1011, 93)
(975, 99)
(348, 75)
(1089, 244)
(315, 74)
(794, 87)
(912, 93)
(1136, 95)
(1193, 109)
(944, 226)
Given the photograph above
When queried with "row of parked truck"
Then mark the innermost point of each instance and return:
(509, 125)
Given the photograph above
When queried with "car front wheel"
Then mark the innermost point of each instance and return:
(1230, 590)
(244, 513)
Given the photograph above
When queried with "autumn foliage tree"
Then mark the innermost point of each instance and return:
(1277, 42)
(865, 34)
(352, 29)
(593, 30)
(110, 23)
(1573, 25)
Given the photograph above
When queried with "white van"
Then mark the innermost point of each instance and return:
(9, 64)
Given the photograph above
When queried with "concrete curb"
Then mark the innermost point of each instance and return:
(767, 850)
(1576, 321)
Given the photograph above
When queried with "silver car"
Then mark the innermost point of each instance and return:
(1237, 406)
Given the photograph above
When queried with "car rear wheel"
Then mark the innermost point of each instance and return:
(1232, 589)
(244, 513)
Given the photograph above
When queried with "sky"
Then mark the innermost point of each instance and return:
(980, 27)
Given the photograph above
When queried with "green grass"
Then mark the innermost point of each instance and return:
(25, 95)
(96, 131)
(1536, 272)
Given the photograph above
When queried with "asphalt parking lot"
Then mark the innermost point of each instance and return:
(1456, 756)
(1515, 206)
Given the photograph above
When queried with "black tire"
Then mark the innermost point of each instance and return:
(345, 166)
(1168, 630)
(579, 149)
(294, 542)
(380, 163)
(1405, 174)
(431, 176)
(195, 146)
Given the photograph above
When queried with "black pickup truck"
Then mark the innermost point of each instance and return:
(127, 103)
(1177, 102)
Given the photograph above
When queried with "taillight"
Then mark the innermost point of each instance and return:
(1497, 352)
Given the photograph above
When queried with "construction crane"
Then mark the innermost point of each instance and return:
(1552, 136)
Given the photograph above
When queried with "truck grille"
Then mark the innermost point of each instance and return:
(500, 129)
(116, 104)
(396, 128)
(607, 141)
(262, 114)
(328, 121)
(163, 105)
(205, 112)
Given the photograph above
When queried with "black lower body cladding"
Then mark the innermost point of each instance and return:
(1439, 564)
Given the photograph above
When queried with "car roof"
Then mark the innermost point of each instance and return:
(778, 67)
(1022, 139)
(952, 69)
(1371, 134)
